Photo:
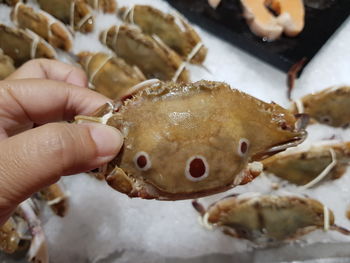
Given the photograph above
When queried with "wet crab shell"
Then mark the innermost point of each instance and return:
(302, 166)
(173, 30)
(189, 140)
(107, 6)
(329, 106)
(269, 219)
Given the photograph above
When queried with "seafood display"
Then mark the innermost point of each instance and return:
(303, 167)
(43, 24)
(135, 48)
(23, 232)
(198, 139)
(107, 6)
(6, 65)
(263, 22)
(23, 45)
(268, 219)
(75, 13)
(329, 106)
(173, 30)
(110, 75)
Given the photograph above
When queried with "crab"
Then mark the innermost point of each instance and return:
(75, 13)
(6, 65)
(43, 24)
(23, 231)
(107, 6)
(268, 219)
(108, 74)
(153, 57)
(329, 106)
(173, 30)
(23, 45)
(308, 167)
(189, 140)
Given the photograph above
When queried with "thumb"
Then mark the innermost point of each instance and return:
(37, 158)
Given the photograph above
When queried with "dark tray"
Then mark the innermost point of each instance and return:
(228, 23)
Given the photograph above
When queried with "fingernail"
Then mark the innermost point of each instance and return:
(108, 140)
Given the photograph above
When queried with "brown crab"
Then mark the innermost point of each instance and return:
(43, 24)
(154, 58)
(6, 65)
(110, 75)
(329, 106)
(268, 219)
(189, 140)
(107, 6)
(75, 13)
(305, 166)
(173, 30)
(23, 45)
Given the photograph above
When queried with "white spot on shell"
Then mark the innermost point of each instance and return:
(144, 158)
(188, 174)
(243, 147)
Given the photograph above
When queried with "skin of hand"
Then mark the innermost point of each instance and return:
(43, 94)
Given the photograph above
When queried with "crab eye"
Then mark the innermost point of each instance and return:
(142, 161)
(197, 168)
(243, 147)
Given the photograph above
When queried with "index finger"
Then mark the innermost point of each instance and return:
(50, 69)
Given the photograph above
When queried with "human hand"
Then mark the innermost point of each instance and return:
(44, 92)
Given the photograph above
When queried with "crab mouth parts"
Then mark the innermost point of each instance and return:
(281, 147)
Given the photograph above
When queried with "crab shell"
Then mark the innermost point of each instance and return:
(75, 13)
(43, 24)
(56, 198)
(6, 65)
(107, 6)
(9, 238)
(329, 106)
(189, 140)
(267, 218)
(301, 167)
(108, 74)
(23, 45)
(154, 59)
(173, 30)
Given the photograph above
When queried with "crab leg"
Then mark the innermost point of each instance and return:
(6, 65)
(38, 251)
(76, 13)
(154, 58)
(43, 24)
(23, 45)
(108, 74)
(56, 198)
(173, 30)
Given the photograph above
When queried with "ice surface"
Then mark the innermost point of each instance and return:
(103, 224)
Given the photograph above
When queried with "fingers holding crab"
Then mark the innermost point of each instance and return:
(193, 131)
(173, 30)
(153, 58)
(44, 25)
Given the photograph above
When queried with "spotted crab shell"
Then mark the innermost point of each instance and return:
(189, 140)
